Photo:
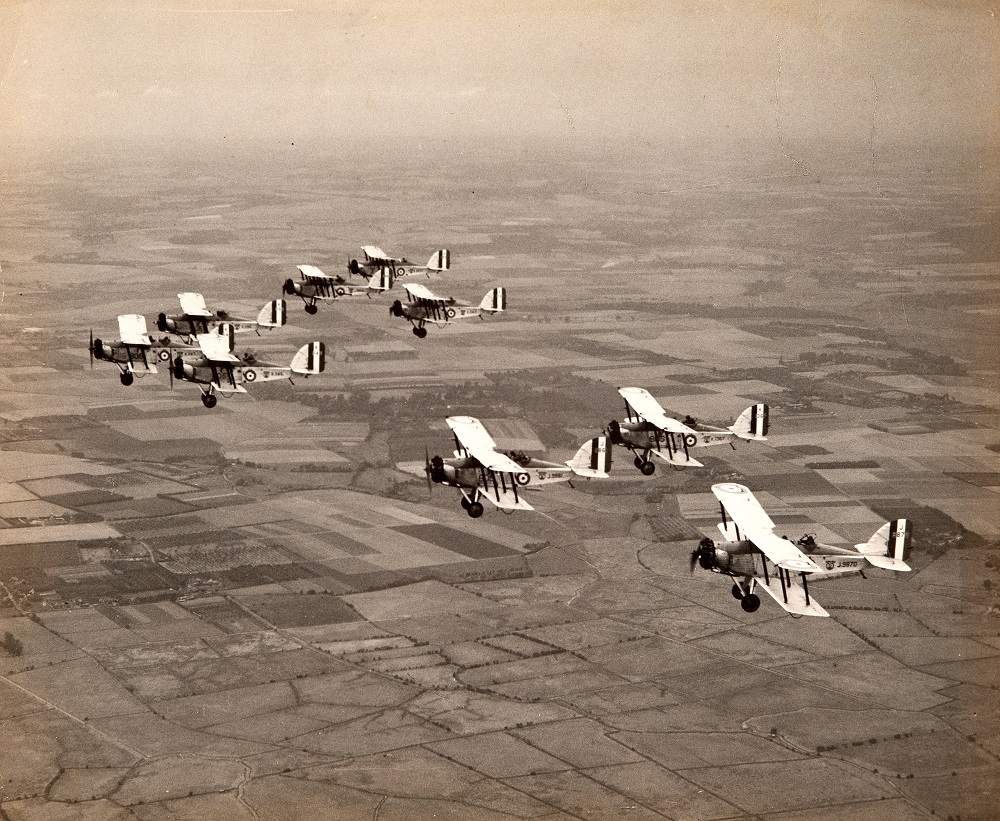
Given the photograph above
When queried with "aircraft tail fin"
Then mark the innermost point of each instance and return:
(752, 423)
(495, 301)
(272, 315)
(227, 331)
(310, 359)
(382, 280)
(441, 261)
(593, 459)
(890, 546)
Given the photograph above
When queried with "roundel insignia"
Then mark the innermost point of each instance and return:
(250, 375)
(450, 313)
(690, 440)
(164, 355)
(730, 488)
(341, 291)
(522, 478)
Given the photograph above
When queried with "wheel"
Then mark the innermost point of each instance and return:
(475, 509)
(209, 400)
(420, 332)
(647, 469)
(127, 378)
(737, 592)
(465, 502)
(637, 461)
(311, 309)
(750, 602)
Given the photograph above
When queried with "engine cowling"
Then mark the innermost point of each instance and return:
(292, 288)
(396, 309)
(165, 324)
(182, 370)
(354, 268)
(102, 351)
(440, 472)
(615, 432)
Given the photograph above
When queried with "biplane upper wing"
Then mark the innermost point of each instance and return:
(132, 330)
(311, 272)
(420, 293)
(193, 304)
(216, 348)
(753, 523)
(643, 403)
(472, 436)
(376, 254)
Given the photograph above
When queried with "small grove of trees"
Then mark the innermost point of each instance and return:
(11, 644)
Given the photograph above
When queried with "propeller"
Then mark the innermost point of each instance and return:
(353, 267)
(396, 309)
(703, 554)
(428, 469)
(92, 349)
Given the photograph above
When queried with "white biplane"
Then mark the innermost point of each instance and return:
(479, 471)
(316, 286)
(750, 543)
(377, 260)
(196, 320)
(135, 352)
(223, 372)
(425, 307)
(648, 430)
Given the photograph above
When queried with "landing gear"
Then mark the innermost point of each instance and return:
(737, 592)
(465, 503)
(126, 378)
(420, 333)
(750, 603)
(209, 400)
(311, 309)
(475, 509)
(647, 468)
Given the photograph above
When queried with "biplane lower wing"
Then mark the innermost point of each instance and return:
(504, 499)
(677, 457)
(791, 596)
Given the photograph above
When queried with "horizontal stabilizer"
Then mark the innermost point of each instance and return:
(272, 315)
(593, 459)
(310, 359)
(792, 598)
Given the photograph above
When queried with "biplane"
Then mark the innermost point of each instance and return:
(751, 544)
(223, 372)
(648, 430)
(479, 471)
(425, 308)
(315, 286)
(135, 352)
(197, 320)
(378, 260)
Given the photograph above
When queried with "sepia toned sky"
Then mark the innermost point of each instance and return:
(86, 74)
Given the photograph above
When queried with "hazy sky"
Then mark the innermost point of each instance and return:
(593, 74)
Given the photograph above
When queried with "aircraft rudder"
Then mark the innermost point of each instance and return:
(890, 545)
(310, 359)
(753, 423)
(440, 260)
(593, 459)
(495, 301)
(273, 315)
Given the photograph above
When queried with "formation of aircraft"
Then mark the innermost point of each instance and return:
(751, 543)
(221, 371)
(479, 471)
(315, 286)
(649, 431)
(425, 307)
(196, 320)
(376, 260)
